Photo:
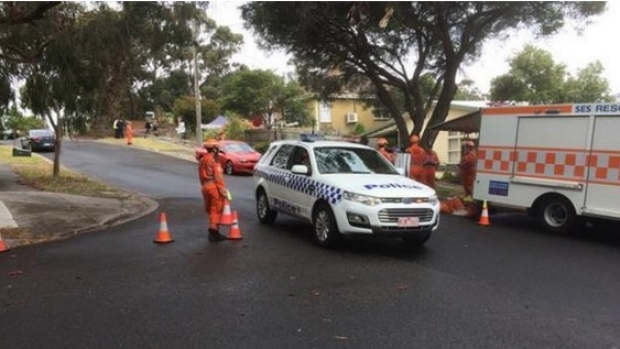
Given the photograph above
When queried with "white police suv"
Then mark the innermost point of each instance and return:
(343, 188)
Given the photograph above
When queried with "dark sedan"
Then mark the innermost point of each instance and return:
(39, 140)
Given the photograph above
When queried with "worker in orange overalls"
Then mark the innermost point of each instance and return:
(221, 135)
(416, 169)
(382, 148)
(468, 168)
(213, 188)
(431, 161)
(129, 133)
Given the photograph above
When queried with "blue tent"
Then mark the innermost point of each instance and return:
(219, 122)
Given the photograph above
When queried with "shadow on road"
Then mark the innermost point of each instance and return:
(358, 245)
(598, 231)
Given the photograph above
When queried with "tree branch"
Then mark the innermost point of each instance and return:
(36, 14)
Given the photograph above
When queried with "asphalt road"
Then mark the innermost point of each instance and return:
(504, 286)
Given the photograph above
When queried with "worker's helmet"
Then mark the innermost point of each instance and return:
(211, 144)
(469, 144)
(382, 142)
(414, 139)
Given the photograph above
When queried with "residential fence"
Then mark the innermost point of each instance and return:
(261, 135)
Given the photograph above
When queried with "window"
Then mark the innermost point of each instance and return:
(455, 141)
(325, 112)
(267, 154)
(281, 158)
(238, 148)
(335, 160)
(380, 114)
(300, 157)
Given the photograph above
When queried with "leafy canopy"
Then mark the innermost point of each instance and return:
(398, 45)
(536, 78)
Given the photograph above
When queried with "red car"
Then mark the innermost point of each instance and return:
(237, 157)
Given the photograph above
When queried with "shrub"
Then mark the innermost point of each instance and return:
(359, 129)
(451, 177)
(261, 147)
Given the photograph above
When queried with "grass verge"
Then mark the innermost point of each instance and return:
(446, 190)
(37, 172)
(148, 143)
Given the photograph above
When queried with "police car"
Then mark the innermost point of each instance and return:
(343, 189)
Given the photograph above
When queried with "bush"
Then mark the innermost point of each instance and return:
(451, 177)
(261, 147)
(359, 129)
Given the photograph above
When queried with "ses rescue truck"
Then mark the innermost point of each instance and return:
(562, 162)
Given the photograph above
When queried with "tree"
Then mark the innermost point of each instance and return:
(378, 40)
(466, 91)
(262, 92)
(54, 81)
(590, 85)
(185, 109)
(536, 78)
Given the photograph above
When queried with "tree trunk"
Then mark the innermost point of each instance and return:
(58, 133)
(110, 104)
(442, 108)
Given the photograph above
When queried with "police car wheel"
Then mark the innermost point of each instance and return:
(265, 214)
(324, 226)
(229, 168)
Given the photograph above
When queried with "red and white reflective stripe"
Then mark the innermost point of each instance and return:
(602, 167)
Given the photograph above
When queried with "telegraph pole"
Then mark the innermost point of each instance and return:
(197, 97)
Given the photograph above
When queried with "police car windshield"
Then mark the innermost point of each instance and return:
(332, 160)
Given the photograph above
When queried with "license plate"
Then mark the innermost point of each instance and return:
(408, 222)
(47, 144)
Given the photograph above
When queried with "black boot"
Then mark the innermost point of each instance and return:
(215, 236)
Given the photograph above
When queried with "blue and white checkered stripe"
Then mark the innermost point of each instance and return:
(300, 183)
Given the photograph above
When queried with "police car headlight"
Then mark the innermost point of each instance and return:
(362, 199)
(433, 200)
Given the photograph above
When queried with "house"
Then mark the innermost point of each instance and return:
(343, 113)
(448, 144)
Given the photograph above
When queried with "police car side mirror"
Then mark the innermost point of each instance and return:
(300, 169)
(401, 171)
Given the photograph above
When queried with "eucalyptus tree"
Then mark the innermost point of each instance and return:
(395, 44)
(130, 45)
(535, 77)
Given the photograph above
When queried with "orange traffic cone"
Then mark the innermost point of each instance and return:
(163, 236)
(235, 232)
(3, 246)
(484, 217)
(227, 217)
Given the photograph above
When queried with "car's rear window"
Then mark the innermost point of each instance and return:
(41, 133)
(332, 160)
(238, 148)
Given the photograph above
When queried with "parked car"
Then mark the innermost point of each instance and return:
(38, 140)
(237, 157)
(343, 188)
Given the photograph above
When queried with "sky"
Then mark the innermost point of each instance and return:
(569, 47)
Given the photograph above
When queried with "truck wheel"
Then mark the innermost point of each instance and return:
(557, 215)
(324, 226)
(265, 214)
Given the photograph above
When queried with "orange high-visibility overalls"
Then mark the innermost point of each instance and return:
(416, 171)
(468, 171)
(430, 167)
(213, 189)
(129, 134)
